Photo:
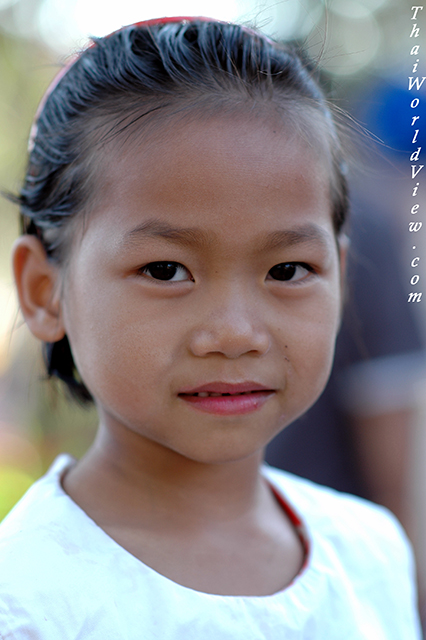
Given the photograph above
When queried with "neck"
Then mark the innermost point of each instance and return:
(127, 477)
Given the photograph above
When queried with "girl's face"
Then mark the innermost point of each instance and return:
(209, 266)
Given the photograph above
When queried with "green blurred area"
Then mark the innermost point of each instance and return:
(354, 40)
(36, 421)
(24, 71)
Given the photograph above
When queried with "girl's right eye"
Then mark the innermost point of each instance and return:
(166, 271)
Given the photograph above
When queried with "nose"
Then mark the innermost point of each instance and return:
(231, 326)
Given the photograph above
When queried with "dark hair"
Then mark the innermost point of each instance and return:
(136, 71)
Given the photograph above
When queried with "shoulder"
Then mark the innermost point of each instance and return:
(42, 505)
(45, 553)
(338, 515)
(360, 547)
(362, 540)
(39, 525)
(319, 503)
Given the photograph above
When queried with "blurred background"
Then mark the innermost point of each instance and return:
(363, 48)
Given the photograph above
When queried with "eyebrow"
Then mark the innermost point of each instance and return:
(304, 234)
(156, 229)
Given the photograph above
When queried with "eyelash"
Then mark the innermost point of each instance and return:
(290, 269)
(175, 268)
(168, 266)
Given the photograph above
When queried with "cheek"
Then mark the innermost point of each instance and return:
(120, 346)
(312, 356)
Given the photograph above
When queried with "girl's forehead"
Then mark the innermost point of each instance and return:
(239, 175)
(187, 147)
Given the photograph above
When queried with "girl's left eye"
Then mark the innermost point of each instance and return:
(166, 271)
(294, 271)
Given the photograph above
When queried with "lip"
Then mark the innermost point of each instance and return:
(243, 397)
(226, 387)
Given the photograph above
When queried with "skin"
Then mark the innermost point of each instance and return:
(177, 486)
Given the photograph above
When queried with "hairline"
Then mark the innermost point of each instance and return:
(147, 124)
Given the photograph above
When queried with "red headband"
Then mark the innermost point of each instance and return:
(144, 23)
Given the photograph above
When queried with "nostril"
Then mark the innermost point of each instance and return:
(231, 340)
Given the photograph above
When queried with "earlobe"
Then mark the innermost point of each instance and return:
(343, 244)
(38, 285)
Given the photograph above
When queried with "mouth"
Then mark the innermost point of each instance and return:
(227, 399)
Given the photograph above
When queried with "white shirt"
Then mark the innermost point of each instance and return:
(64, 578)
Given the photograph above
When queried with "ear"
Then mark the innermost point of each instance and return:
(38, 285)
(343, 244)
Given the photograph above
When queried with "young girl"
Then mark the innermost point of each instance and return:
(182, 260)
